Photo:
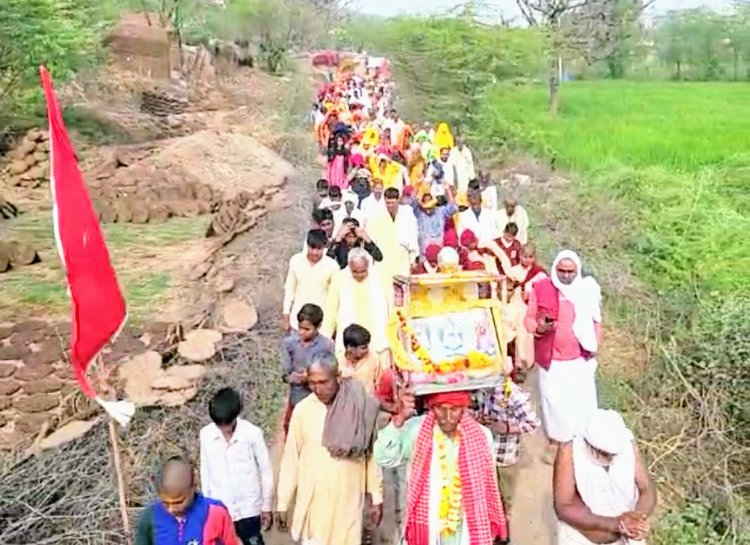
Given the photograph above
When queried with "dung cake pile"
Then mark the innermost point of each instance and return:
(15, 254)
(127, 187)
(28, 161)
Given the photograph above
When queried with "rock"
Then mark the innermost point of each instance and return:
(223, 284)
(38, 403)
(5, 402)
(171, 383)
(46, 356)
(178, 398)
(18, 167)
(32, 423)
(203, 335)
(239, 316)
(189, 372)
(13, 352)
(196, 350)
(10, 387)
(11, 440)
(33, 372)
(29, 325)
(138, 373)
(44, 386)
(5, 331)
(70, 431)
(7, 369)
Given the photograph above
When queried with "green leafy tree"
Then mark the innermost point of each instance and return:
(57, 33)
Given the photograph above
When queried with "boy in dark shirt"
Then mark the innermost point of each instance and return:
(298, 351)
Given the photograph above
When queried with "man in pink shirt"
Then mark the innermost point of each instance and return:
(564, 315)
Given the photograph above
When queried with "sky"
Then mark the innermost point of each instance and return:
(507, 7)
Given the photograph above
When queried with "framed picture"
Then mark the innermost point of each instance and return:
(455, 334)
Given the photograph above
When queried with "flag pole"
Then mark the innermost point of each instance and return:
(117, 462)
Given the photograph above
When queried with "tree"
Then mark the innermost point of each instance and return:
(587, 28)
(60, 34)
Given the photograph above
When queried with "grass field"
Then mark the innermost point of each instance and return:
(678, 153)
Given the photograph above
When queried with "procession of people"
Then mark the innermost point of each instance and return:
(398, 199)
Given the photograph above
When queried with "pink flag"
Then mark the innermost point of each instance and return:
(98, 307)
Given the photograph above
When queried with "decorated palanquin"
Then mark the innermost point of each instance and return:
(447, 331)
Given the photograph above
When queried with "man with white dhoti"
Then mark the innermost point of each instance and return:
(564, 314)
(602, 491)
(357, 296)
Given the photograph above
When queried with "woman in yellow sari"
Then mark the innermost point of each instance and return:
(443, 137)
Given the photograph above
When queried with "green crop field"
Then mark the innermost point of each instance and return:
(679, 153)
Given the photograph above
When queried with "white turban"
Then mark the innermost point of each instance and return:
(607, 431)
(585, 295)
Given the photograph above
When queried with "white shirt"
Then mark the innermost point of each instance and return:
(520, 217)
(484, 227)
(238, 473)
(463, 161)
(437, 186)
(371, 206)
(340, 215)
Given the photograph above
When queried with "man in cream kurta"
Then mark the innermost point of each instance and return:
(357, 296)
(328, 493)
(308, 278)
(395, 233)
(463, 162)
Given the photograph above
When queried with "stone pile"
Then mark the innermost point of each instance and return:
(28, 164)
(239, 213)
(169, 100)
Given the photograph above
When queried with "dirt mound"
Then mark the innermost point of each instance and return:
(228, 162)
(140, 44)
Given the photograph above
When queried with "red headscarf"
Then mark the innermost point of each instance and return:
(456, 399)
(431, 253)
(450, 238)
(468, 238)
(475, 266)
(407, 191)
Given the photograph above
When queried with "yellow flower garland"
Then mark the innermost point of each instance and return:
(449, 511)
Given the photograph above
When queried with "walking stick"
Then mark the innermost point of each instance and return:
(120, 480)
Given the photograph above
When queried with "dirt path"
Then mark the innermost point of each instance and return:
(532, 518)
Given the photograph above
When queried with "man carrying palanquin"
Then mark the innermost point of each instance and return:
(357, 296)
(453, 496)
(602, 491)
(327, 466)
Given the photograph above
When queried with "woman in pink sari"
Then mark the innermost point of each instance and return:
(338, 163)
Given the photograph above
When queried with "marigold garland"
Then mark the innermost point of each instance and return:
(449, 511)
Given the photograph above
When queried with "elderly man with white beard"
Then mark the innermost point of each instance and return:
(602, 491)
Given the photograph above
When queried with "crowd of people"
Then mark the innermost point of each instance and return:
(398, 199)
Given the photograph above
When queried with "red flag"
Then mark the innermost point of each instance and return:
(98, 307)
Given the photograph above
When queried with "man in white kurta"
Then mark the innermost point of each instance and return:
(514, 212)
(479, 220)
(463, 163)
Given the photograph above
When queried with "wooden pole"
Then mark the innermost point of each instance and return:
(120, 480)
